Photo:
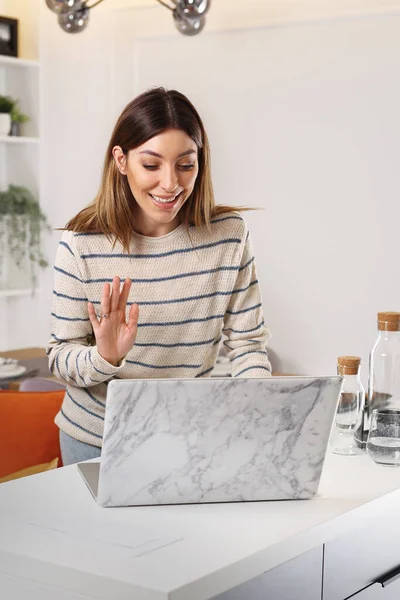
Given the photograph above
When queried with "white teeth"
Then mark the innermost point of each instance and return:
(163, 200)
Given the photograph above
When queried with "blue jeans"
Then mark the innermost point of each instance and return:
(74, 451)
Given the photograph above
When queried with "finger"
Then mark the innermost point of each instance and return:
(105, 300)
(133, 316)
(115, 293)
(92, 316)
(123, 299)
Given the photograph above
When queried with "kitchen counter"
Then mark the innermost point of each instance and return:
(53, 536)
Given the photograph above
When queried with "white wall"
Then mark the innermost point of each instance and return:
(303, 121)
(76, 123)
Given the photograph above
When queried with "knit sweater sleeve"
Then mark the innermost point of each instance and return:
(72, 357)
(244, 325)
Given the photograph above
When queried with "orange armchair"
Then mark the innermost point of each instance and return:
(28, 434)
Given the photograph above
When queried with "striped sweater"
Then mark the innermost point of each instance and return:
(193, 287)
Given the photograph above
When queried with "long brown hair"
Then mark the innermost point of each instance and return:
(148, 115)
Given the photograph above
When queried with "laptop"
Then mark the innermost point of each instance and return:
(178, 441)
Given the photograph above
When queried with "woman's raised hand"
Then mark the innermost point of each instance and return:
(115, 335)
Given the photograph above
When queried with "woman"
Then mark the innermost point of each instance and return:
(185, 265)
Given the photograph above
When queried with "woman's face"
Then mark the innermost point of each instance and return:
(161, 174)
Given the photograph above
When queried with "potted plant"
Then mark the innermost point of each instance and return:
(17, 117)
(21, 224)
(6, 106)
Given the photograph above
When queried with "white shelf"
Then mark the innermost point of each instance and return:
(11, 293)
(18, 62)
(18, 139)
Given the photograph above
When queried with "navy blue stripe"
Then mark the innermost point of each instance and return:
(154, 279)
(163, 254)
(92, 397)
(79, 426)
(248, 369)
(68, 318)
(77, 366)
(66, 368)
(70, 297)
(175, 300)
(178, 345)
(185, 322)
(68, 341)
(254, 282)
(161, 345)
(53, 335)
(95, 380)
(58, 366)
(66, 362)
(244, 330)
(247, 342)
(247, 236)
(244, 310)
(88, 233)
(226, 219)
(247, 264)
(68, 274)
(205, 372)
(181, 275)
(101, 372)
(141, 364)
(219, 220)
(66, 246)
(84, 408)
(250, 352)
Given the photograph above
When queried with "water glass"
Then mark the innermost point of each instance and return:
(383, 443)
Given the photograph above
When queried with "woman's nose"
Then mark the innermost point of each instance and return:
(169, 181)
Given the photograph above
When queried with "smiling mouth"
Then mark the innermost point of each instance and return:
(165, 201)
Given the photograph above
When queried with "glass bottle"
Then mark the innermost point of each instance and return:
(350, 410)
(384, 364)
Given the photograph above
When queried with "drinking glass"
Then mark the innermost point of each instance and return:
(383, 443)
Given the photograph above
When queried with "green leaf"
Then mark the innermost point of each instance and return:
(22, 223)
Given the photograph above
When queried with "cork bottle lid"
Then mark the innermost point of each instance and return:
(389, 321)
(348, 365)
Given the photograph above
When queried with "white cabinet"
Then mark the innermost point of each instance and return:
(361, 558)
(298, 579)
(388, 591)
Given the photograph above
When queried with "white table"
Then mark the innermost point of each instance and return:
(55, 542)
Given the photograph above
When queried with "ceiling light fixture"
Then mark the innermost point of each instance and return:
(188, 15)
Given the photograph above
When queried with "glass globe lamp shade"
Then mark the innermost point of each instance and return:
(193, 9)
(61, 7)
(188, 27)
(74, 22)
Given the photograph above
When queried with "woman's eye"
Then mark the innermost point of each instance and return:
(180, 167)
(186, 167)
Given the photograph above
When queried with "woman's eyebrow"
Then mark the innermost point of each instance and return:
(151, 153)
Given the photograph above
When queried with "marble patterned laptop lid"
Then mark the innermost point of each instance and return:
(170, 441)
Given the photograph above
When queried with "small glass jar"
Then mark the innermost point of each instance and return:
(350, 410)
(384, 365)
